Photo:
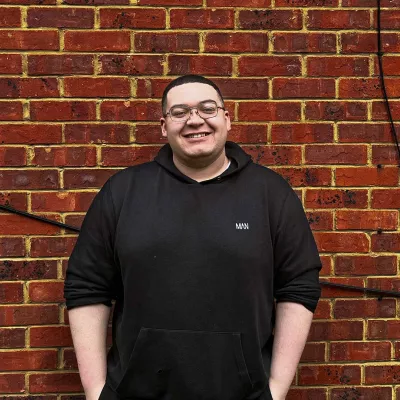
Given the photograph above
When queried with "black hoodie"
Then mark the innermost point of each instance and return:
(194, 268)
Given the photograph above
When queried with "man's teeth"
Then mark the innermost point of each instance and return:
(197, 136)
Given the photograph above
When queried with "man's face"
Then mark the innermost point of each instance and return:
(187, 148)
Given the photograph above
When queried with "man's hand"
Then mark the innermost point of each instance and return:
(277, 392)
(94, 393)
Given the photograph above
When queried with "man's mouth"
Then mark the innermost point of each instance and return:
(197, 135)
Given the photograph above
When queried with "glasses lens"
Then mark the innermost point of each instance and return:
(179, 113)
(208, 109)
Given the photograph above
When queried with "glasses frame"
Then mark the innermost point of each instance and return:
(197, 111)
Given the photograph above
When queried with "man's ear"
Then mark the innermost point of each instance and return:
(163, 122)
(228, 121)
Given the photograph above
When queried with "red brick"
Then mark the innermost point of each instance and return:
(386, 155)
(365, 88)
(360, 351)
(338, 66)
(236, 42)
(30, 133)
(28, 315)
(60, 64)
(366, 176)
(27, 270)
(238, 3)
(385, 242)
(336, 198)
(150, 134)
(60, 17)
(382, 374)
(52, 246)
(50, 336)
(379, 111)
(102, 133)
(306, 394)
(28, 360)
(202, 18)
(269, 111)
(12, 383)
(360, 3)
(242, 88)
(127, 156)
(61, 201)
(29, 179)
(323, 310)
(29, 87)
(275, 155)
(10, 64)
(320, 220)
(97, 41)
(365, 133)
(385, 198)
(62, 110)
(46, 292)
(342, 242)
(379, 329)
(338, 19)
(55, 382)
(15, 200)
(64, 156)
(205, 65)
(12, 156)
(365, 265)
(166, 42)
(390, 19)
(336, 154)
(29, 40)
(95, 2)
(306, 3)
(131, 65)
(69, 359)
(130, 111)
(306, 176)
(371, 308)
(304, 42)
(302, 133)
(330, 375)
(248, 134)
(269, 65)
(96, 87)
(12, 338)
(14, 224)
(87, 178)
(11, 293)
(391, 283)
(364, 393)
(10, 110)
(131, 18)
(390, 65)
(28, 2)
(11, 247)
(335, 292)
(10, 17)
(170, 2)
(270, 19)
(291, 88)
(313, 352)
(336, 111)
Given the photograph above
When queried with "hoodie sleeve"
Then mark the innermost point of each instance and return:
(92, 275)
(296, 259)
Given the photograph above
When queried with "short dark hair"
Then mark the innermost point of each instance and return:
(188, 79)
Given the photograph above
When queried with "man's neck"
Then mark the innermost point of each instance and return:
(201, 173)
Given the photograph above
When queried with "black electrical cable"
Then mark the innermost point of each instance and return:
(379, 292)
(382, 79)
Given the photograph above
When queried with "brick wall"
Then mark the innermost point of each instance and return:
(80, 89)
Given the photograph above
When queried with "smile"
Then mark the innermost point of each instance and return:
(197, 135)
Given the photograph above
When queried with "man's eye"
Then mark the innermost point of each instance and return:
(208, 109)
(178, 113)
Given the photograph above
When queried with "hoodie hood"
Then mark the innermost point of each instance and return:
(239, 159)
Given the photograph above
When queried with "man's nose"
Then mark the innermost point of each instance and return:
(194, 117)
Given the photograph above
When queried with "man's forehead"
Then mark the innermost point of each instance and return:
(191, 93)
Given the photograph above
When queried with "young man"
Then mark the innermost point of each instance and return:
(194, 247)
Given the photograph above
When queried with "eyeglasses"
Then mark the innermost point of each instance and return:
(205, 109)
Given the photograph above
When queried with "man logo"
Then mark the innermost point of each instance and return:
(242, 225)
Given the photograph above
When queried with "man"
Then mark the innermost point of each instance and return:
(194, 247)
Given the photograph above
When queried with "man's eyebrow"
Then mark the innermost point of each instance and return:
(203, 101)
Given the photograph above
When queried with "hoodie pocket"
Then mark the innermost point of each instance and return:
(184, 364)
